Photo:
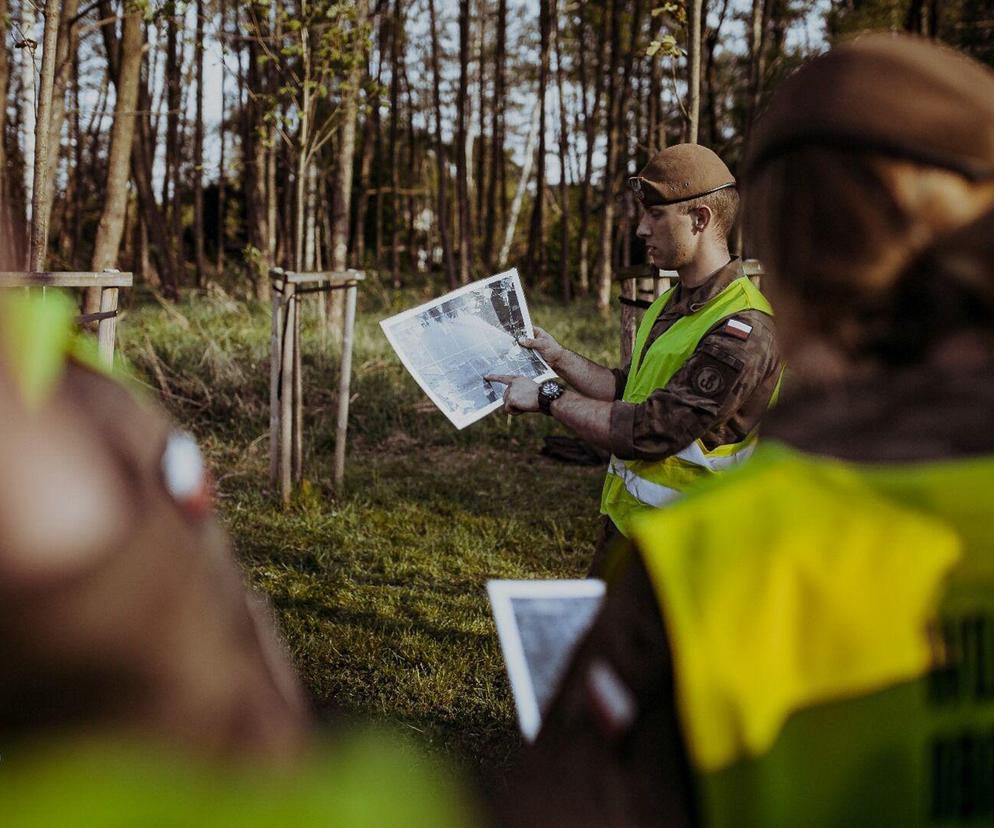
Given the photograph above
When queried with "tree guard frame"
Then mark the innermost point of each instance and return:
(286, 409)
(109, 282)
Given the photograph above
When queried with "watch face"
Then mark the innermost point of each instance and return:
(549, 387)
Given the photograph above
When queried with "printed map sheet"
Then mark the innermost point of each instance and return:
(449, 344)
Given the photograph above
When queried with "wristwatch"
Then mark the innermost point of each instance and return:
(549, 390)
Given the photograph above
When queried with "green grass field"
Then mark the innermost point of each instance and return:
(380, 590)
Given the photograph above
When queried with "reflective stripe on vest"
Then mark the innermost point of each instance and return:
(633, 486)
(713, 461)
(645, 491)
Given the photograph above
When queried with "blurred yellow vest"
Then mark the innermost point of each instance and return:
(832, 630)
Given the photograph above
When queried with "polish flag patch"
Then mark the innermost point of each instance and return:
(740, 330)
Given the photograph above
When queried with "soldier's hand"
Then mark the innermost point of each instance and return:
(521, 395)
(543, 342)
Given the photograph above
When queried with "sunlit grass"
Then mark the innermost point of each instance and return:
(379, 590)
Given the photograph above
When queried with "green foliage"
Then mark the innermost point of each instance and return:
(380, 590)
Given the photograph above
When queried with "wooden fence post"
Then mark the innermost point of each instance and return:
(107, 328)
(275, 363)
(345, 384)
(298, 393)
(286, 391)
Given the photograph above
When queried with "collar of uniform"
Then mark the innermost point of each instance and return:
(692, 299)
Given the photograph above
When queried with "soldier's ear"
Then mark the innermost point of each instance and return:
(63, 500)
(701, 218)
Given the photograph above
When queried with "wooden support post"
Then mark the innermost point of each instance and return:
(107, 328)
(345, 384)
(286, 391)
(298, 393)
(629, 320)
(275, 361)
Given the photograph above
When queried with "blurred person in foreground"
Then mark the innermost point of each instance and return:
(705, 363)
(140, 682)
(809, 640)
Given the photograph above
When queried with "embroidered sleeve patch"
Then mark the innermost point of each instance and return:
(737, 328)
(709, 380)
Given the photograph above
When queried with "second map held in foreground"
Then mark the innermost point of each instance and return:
(451, 343)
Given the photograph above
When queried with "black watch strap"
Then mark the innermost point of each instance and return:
(549, 391)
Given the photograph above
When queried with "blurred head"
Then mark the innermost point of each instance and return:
(864, 159)
(121, 607)
(689, 201)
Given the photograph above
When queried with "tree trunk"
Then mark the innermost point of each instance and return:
(39, 201)
(396, 56)
(28, 107)
(255, 154)
(8, 238)
(462, 101)
(67, 47)
(590, 132)
(604, 269)
(440, 154)
(519, 193)
(694, 70)
(535, 258)
(564, 269)
(111, 227)
(495, 185)
(171, 181)
(219, 253)
(481, 155)
(198, 152)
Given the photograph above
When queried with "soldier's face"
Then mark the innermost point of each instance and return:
(668, 233)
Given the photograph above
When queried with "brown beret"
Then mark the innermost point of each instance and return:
(900, 95)
(680, 173)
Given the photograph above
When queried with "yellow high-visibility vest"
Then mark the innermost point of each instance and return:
(832, 635)
(634, 486)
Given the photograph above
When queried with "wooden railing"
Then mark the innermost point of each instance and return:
(109, 282)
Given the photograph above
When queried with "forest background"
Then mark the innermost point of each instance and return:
(427, 142)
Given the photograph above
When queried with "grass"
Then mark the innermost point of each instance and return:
(380, 590)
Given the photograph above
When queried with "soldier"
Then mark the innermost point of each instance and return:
(808, 640)
(120, 602)
(140, 683)
(705, 362)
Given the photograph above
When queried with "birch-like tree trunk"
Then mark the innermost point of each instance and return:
(564, 268)
(111, 227)
(39, 204)
(694, 70)
(28, 103)
(440, 154)
(535, 257)
(519, 193)
(462, 168)
(495, 184)
(198, 152)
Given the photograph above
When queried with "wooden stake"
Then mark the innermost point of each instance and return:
(107, 328)
(629, 321)
(275, 360)
(344, 385)
(286, 392)
(298, 393)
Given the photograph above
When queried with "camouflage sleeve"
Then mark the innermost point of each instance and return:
(720, 379)
(620, 378)
(610, 751)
